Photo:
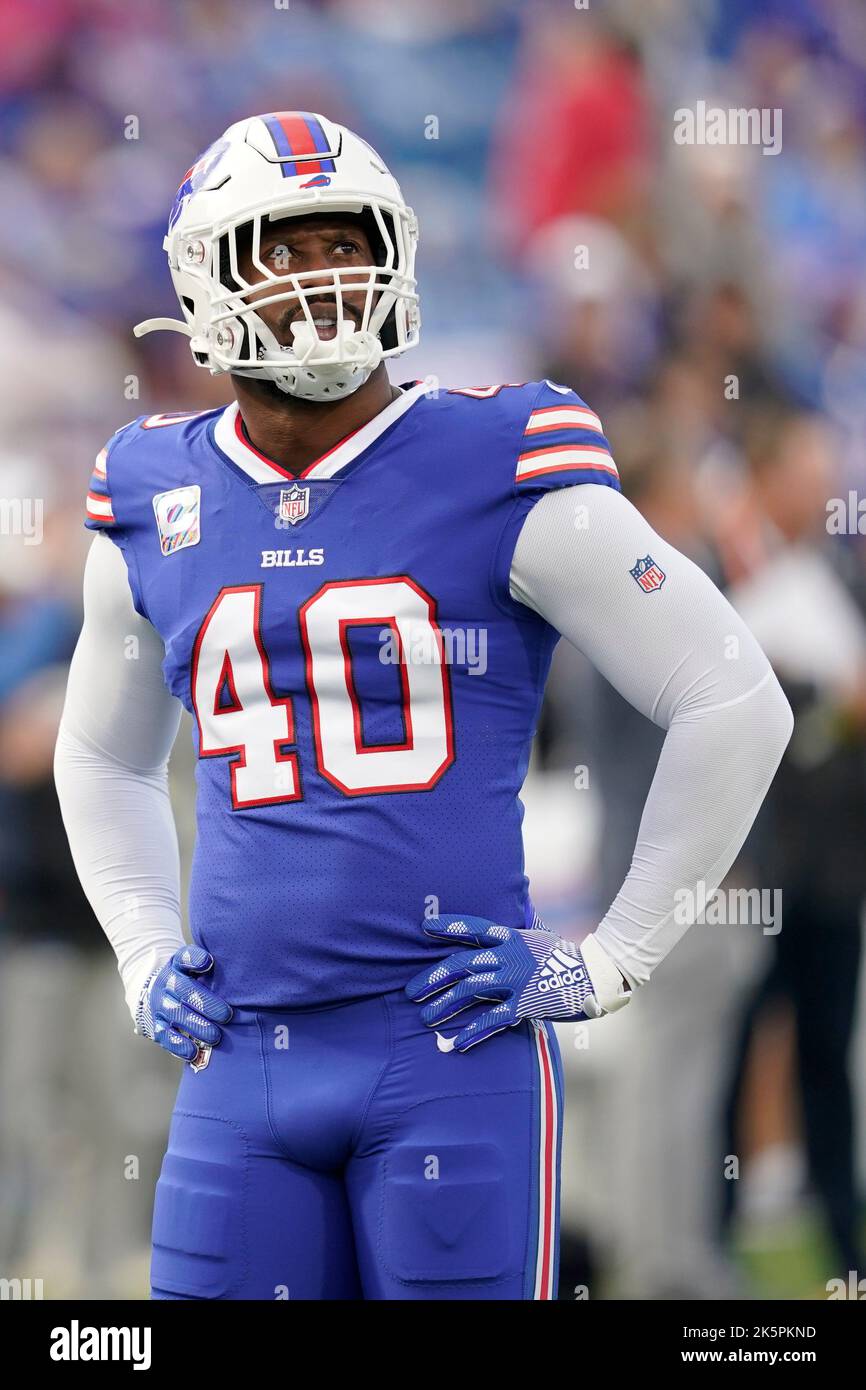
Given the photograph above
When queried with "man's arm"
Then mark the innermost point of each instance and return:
(111, 769)
(682, 656)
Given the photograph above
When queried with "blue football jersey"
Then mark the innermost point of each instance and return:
(364, 690)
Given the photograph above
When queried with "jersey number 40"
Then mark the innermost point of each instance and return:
(239, 715)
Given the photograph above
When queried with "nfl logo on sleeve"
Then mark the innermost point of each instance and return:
(294, 504)
(178, 518)
(648, 574)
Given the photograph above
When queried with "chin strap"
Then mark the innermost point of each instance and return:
(313, 377)
(157, 325)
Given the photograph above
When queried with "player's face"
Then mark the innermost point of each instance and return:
(298, 244)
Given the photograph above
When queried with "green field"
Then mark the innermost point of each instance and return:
(790, 1259)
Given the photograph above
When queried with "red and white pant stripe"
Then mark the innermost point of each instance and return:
(548, 1143)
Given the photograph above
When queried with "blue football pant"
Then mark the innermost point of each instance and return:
(339, 1154)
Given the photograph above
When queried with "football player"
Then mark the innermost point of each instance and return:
(355, 589)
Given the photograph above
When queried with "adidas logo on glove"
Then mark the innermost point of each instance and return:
(560, 970)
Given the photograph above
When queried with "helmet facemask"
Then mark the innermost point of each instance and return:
(241, 342)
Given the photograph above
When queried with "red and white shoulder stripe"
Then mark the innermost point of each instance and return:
(564, 438)
(99, 510)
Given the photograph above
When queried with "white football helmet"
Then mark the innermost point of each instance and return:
(289, 164)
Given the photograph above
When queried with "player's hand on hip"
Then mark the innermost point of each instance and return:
(177, 1011)
(523, 973)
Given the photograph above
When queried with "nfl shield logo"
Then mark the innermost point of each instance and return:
(294, 504)
(648, 574)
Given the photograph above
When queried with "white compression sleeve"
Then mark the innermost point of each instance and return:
(111, 770)
(683, 657)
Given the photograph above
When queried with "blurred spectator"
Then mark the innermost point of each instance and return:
(805, 603)
(576, 133)
(660, 1107)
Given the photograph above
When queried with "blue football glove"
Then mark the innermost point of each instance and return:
(178, 1012)
(533, 974)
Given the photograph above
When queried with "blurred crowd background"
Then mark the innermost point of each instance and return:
(710, 303)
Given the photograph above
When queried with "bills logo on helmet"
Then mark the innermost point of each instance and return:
(648, 574)
(319, 181)
(294, 504)
(178, 518)
(195, 177)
